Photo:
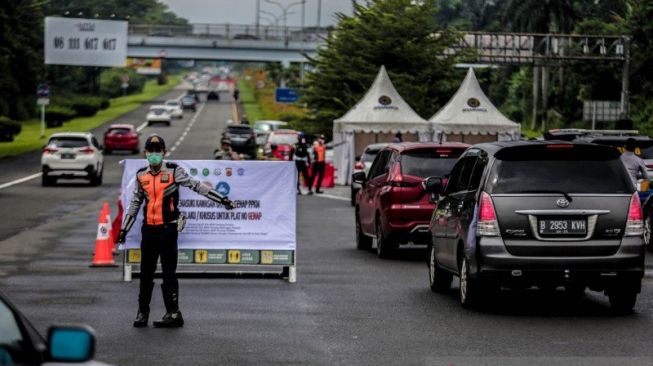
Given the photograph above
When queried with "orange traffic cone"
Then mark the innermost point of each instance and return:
(103, 256)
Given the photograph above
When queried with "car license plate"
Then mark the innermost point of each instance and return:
(563, 227)
(68, 156)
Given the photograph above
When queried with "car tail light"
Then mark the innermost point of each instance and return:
(560, 146)
(487, 217)
(359, 165)
(635, 223)
(396, 179)
(86, 150)
(49, 150)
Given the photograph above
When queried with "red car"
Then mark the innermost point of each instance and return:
(121, 137)
(280, 143)
(392, 205)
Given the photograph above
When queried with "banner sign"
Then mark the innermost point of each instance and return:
(85, 42)
(264, 218)
(145, 66)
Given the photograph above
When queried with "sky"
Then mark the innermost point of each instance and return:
(244, 11)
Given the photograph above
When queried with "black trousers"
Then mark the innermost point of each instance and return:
(302, 169)
(158, 241)
(318, 171)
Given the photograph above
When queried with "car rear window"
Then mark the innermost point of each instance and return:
(283, 139)
(172, 103)
(370, 154)
(585, 170)
(240, 130)
(68, 142)
(119, 131)
(429, 163)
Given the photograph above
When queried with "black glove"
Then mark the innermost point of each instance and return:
(121, 237)
(228, 204)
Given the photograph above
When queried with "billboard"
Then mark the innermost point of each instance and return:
(145, 66)
(85, 42)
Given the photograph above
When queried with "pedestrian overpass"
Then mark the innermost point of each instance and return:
(225, 42)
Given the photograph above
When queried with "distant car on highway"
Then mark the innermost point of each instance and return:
(21, 343)
(213, 95)
(280, 143)
(243, 139)
(189, 102)
(175, 108)
(546, 214)
(121, 137)
(363, 165)
(158, 114)
(264, 127)
(72, 155)
(392, 205)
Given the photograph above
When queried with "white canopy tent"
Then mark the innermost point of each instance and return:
(470, 117)
(377, 117)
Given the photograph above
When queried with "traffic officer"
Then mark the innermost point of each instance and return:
(158, 186)
(319, 164)
(302, 158)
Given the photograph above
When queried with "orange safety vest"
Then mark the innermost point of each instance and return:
(159, 196)
(319, 152)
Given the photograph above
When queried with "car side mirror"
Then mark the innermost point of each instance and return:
(433, 186)
(358, 177)
(71, 343)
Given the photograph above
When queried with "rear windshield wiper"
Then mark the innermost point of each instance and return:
(567, 196)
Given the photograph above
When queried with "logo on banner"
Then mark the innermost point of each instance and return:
(229, 172)
(205, 172)
(223, 188)
(217, 171)
(241, 171)
(473, 102)
(193, 172)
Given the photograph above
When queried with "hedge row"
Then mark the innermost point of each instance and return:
(8, 129)
(67, 107)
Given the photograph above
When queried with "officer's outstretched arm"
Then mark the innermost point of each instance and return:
(132, 212)
(183, 179)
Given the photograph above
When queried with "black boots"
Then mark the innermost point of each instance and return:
(144, 297)
(141, 319)
(172, 318)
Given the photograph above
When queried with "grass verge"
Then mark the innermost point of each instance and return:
(29, 139)
(249, 102)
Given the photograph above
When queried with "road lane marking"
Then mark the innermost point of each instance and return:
(141, 127)
(330, 196)
(21, 180)
(185, 133)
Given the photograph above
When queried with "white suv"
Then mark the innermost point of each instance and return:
(175, 108)
(158, 114)
(72, 155)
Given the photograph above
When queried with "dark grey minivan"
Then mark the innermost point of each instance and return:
(546, 214)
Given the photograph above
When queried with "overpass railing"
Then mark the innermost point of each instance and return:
(232, 31)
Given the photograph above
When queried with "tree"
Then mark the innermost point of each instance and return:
(400, 34)
(539, 16)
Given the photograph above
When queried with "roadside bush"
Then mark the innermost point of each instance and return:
(8, 129)
(55, 116)
(111, 82)
(84, 106)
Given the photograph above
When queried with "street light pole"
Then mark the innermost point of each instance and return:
(258, 16)
(319, 13)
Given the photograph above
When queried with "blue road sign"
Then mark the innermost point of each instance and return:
(43, 91)
(286, 95)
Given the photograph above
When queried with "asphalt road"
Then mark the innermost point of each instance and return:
(347, 308)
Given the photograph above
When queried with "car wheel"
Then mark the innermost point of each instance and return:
(47, 181)
(469, 290)
(363, 242)
(622, 301)
(168, 123)
(439, 279)
(149, 123)
(384, 247)
(99, 179)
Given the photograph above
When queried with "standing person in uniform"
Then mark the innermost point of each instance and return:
(236, 94)
(302, 158)
(319, 164)
(634, 164)
(158, 186)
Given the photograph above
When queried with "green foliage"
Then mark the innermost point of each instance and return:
(21, 56)
(394, 33)
(111, 82)
(8, 129)
(55, 116)
(86, 106)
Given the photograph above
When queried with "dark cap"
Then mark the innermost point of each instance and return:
(155, 141)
